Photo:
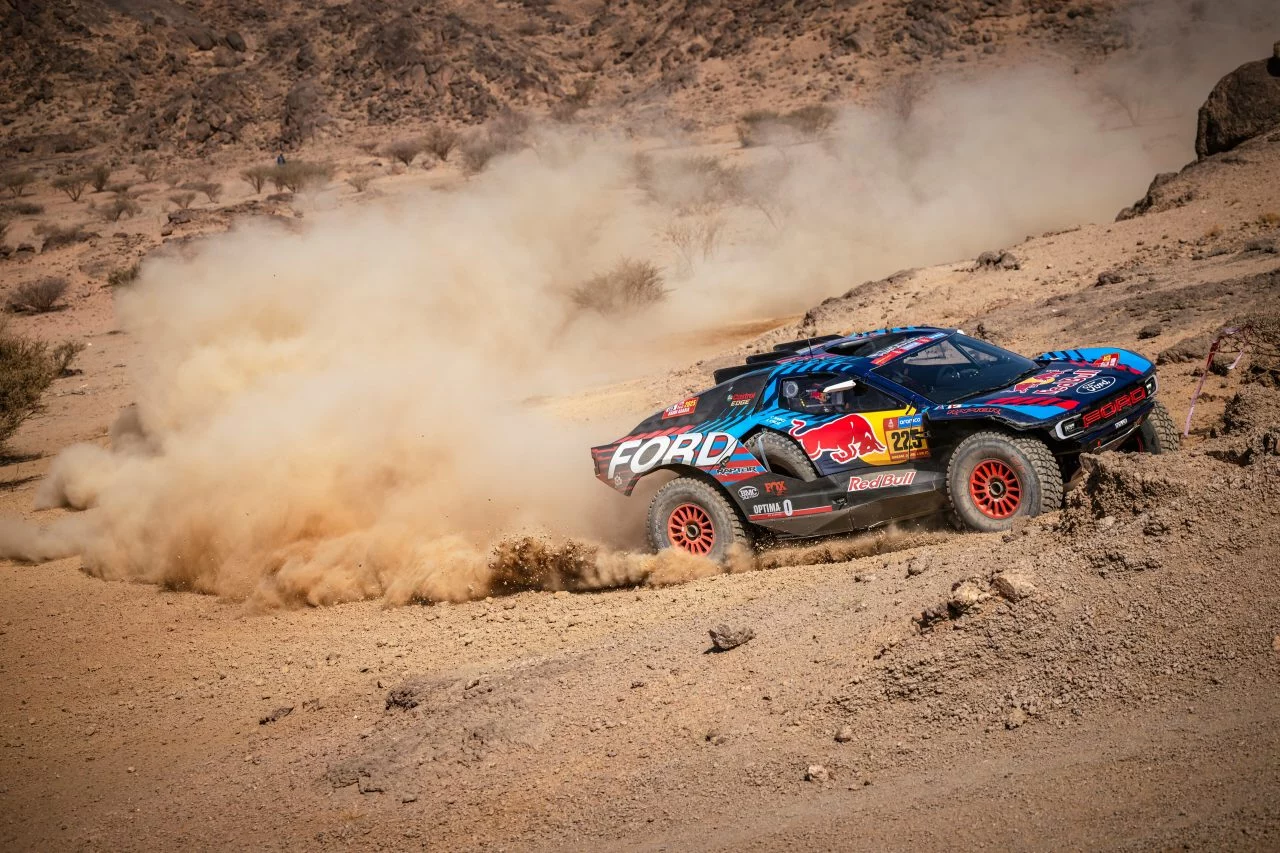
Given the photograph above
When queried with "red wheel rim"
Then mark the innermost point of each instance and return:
(690, 528)
(995, 488)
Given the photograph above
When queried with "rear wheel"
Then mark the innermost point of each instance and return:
(993, 479)
(783, 456)
(1158, 433)
(694, 516)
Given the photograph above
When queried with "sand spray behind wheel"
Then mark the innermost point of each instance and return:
(342, 411)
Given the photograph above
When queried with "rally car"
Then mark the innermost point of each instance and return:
(834, 434)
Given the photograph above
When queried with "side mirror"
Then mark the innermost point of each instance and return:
(846, 385)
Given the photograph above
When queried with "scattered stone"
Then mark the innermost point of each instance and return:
(409, 798)
(278, 714)
(917, 565)
(846, 732)
(1266, 245)
(1275, 643)
(25, 249)
(964, 595)
(724, 638)
(817, 773)
(1109, 277)
(1015, 718)
(235, 41)
(1013, 586)
(369, 784)
(1151, 330)
(1243, 105)
(999, 260)
(203, 39)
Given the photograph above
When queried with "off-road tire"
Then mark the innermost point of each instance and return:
(783, 456)
(1158, 433)
(1023, 465)
(687, 496)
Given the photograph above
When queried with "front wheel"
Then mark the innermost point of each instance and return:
(694, 516)
(993, 479)
(1158, 433)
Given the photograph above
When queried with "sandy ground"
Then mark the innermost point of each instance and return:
(1129, 702)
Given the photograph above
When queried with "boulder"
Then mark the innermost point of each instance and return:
(1244, 104)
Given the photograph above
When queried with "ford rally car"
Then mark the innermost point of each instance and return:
(840, 433)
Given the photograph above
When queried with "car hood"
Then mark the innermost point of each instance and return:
(1066, 382)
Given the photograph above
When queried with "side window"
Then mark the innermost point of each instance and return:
(808, 394)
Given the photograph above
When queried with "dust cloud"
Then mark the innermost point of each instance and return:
(347, 409)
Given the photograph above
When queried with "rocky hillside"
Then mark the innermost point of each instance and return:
(197, 75)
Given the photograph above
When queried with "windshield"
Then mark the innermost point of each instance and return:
(957, 368)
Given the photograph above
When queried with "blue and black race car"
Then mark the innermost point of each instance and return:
(838, 433)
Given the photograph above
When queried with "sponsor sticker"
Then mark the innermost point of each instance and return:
(1111, 359)
(887, 480)
(1094, 386)
(701, 450)
(776, 487)
(748, 493)
(680, 409)
(783, 508)
(741, 399)
(903, 422)
(1053, 382)
(844, 440)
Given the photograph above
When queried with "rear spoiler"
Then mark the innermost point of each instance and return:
(803, 346)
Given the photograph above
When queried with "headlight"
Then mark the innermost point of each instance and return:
(1151, 385)
(1067, 428)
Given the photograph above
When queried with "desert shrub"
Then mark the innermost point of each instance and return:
(124, 275)
(630, 286)
(483, 147)
(360, 181)
(183, 199)
(5, 222)
(212, 190)
(22, 208)
(692, 239)
(72, 185)
(120, 206)
(99, 177)
(567, 108)
(17, 181)
(58, 236)
(1270, 219)
(119, 188)
(812, 121)
(298, 176)
(440, 142)
(27, 369)
(762, 127)
(149, 168)
(37, 297)
(404, 150)
(257, 177)
(689, 184)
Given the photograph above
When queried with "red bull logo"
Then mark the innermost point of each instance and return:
(846, 440)
(1028, 385)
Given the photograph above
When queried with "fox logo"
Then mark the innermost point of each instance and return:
(1036, 381)
(846, 440)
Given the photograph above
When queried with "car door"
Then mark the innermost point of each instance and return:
(846, 425)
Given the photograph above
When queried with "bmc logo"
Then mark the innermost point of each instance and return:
(748, 493)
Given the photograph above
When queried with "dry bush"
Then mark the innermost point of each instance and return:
(630, 286)
(27, 369)
(182, 200)
(482, 148)
(149, 168)
(1270, 219)
(57, 236)
(440, 142)
(1214, 231)
(99, 177)
(22, 208)
(694, 239)
(5, 222)
(37, 297)
(369, 148)
(120, 206)
(764, 127)
(689, 184)
(298, 176)
(121, 188)
(360, 181)
(573, 103)
(404, 150)
(124, 275)
(257, 177)
(72, 185)
(212, 190)
(17, 181)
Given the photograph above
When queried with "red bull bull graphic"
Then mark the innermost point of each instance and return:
(843, 441)
(1053, 382)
